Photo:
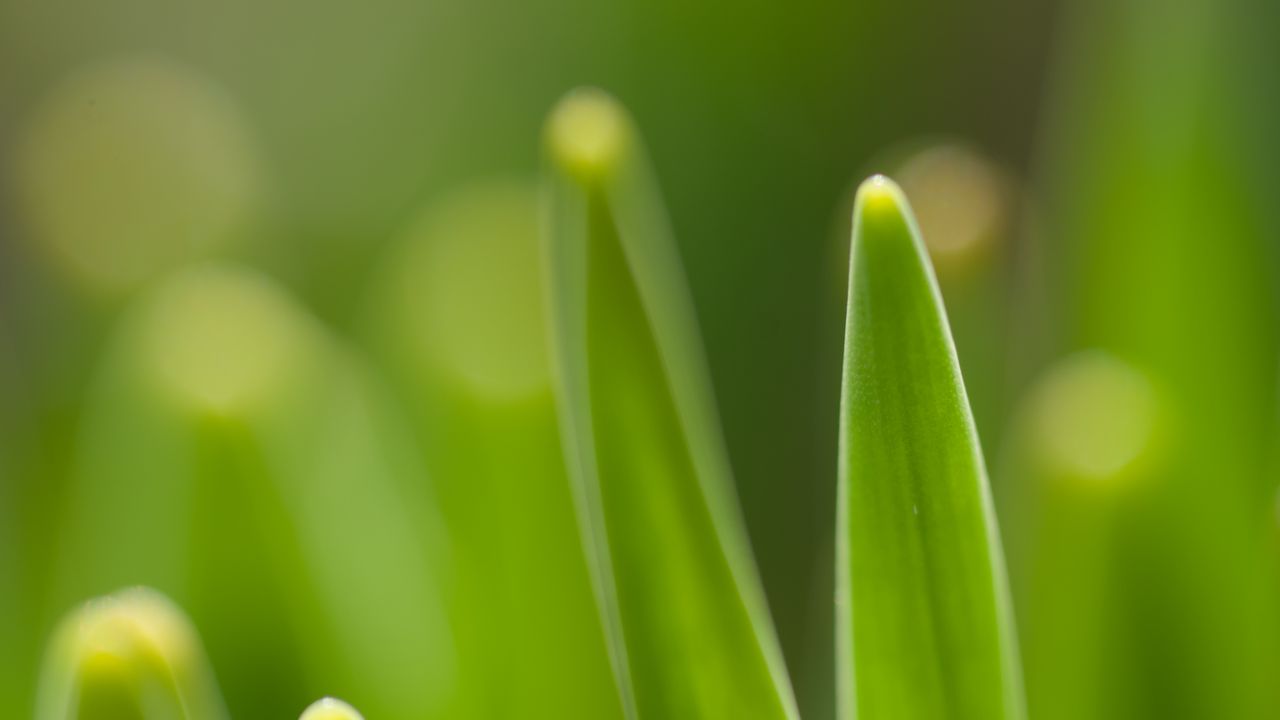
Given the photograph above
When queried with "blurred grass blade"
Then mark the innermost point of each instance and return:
(1086, 448)
(1164, 254)
(923, 627)
(683, 608)
(133, 655)
(458, 320)
(330, 709)
(238, 457)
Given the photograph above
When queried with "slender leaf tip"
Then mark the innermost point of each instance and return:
(878, 200)
(923, 622)
(330, 709)
(586, 133)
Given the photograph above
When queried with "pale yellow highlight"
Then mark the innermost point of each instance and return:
(468, 291)
(961, 203)
(131, 166)
(879, 196)
(1094, 418)
(587, 132)
(221, 340)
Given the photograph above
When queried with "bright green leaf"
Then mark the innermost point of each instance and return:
(924, 628)
(682, 604)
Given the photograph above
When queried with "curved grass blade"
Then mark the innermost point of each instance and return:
(923, 623)
(682, 605)
(133, 655)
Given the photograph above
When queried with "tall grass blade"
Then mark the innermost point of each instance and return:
(923, 622)
(679, 595)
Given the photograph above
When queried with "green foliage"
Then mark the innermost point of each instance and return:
(478, 388)
(428, 538)
(1164, 256)
(236, 457)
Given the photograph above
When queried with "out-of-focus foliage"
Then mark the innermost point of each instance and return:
(129, 656)
(234, 456)
(1164, 256)
(272, 330)
(478, 385)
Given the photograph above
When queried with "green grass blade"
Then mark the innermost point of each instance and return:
(133, 655)
(923, 624)
(684, 612)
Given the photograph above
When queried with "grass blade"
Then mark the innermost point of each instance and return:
(923, 624)
(682, 605)
(129, 656)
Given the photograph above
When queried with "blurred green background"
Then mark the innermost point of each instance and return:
(254, 254)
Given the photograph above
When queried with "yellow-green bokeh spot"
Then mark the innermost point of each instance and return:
(465, 285)
(131, 166)
(1087, 459)
(225, 341)
(589, 134)
(1094, 419)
